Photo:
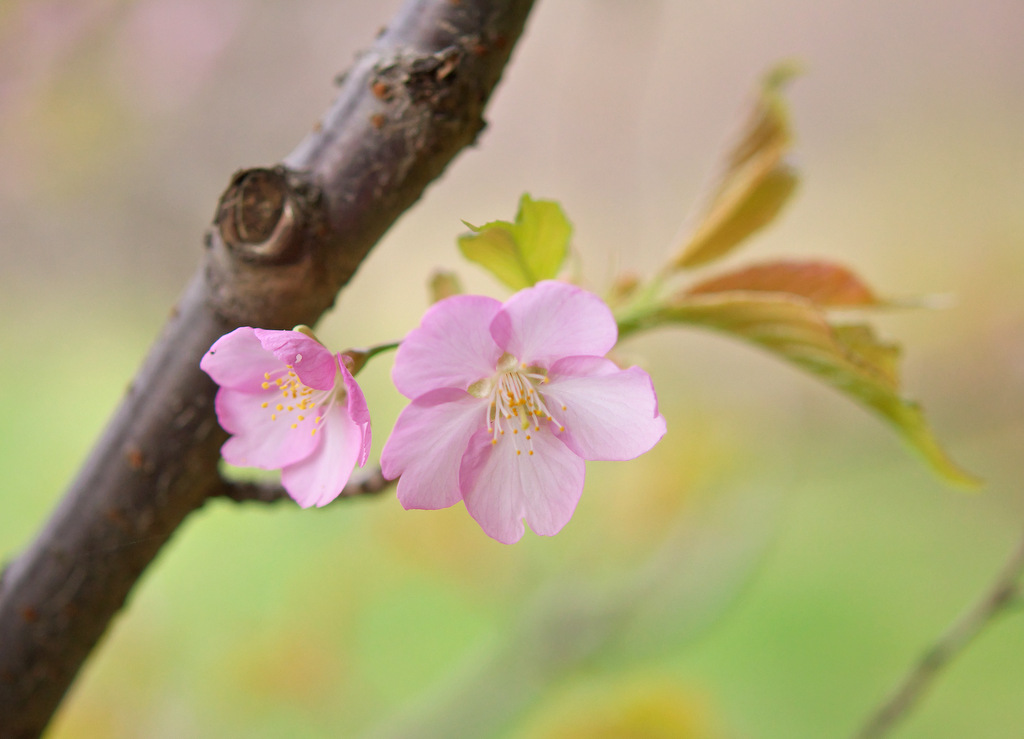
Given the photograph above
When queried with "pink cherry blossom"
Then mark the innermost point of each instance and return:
(508, 400)
(290, 405)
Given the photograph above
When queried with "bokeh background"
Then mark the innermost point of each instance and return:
(770, 570)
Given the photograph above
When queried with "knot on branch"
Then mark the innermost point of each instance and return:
(262, 214)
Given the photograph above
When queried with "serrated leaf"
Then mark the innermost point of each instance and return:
(755, 182)
(522, 253)
(849, 358)
(823, 283)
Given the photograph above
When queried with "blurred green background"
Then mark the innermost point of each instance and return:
(770, 570)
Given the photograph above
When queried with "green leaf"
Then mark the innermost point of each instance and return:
(755, 182)
(849, 358)
(443, 284)
(521, 254)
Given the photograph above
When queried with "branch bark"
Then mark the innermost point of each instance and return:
(260, 492)
(283, 243)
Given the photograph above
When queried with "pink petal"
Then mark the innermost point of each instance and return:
(609, 413)
(427, 445)
(551, 320)
(358, 412)
(314, 365)
(320, 477)
(237, 360)
(501, 487)
(452, 347)
(260, 441)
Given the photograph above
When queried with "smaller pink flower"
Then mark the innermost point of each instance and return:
(290, 405)
(508, 400)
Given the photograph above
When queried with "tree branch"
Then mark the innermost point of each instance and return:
(284, 242)
(1004, 593)
(264, 492)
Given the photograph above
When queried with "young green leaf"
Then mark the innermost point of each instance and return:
(850, 358)
(443, 284)
(755, 182)
(521, 254)
(823, 283)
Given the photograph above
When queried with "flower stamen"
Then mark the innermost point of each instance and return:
(298, 396)
(514, 393)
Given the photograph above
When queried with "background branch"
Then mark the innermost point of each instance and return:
(1004, 593)
(284, 242)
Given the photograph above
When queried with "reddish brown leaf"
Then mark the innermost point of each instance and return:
(823, 283)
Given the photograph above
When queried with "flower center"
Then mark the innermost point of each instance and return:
(295, 402)
(516, 403)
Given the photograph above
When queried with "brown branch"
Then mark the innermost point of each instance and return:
(1004, 593)
(284, 242)
(268, 492)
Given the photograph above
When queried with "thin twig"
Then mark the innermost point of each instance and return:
(1004, 593)
(269, 492)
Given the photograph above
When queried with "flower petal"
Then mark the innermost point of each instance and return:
(237, 360)
(551, 320)
(452, 347)
(260, 439)
(501, 487)
(358, 412)
(320, 477)
(427, 445)
(315, 366)
(608, 413)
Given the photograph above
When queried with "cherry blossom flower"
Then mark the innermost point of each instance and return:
(290, 405)
(508, 400)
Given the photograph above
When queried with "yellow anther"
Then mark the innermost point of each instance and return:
(265, 385)
(494, 441)
(302, 418)
(273, 416)
(518, 452)
(295, 425)
(280, 407)
(263, 404)
(531, 452)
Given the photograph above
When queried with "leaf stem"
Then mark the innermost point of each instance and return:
(641, 309)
